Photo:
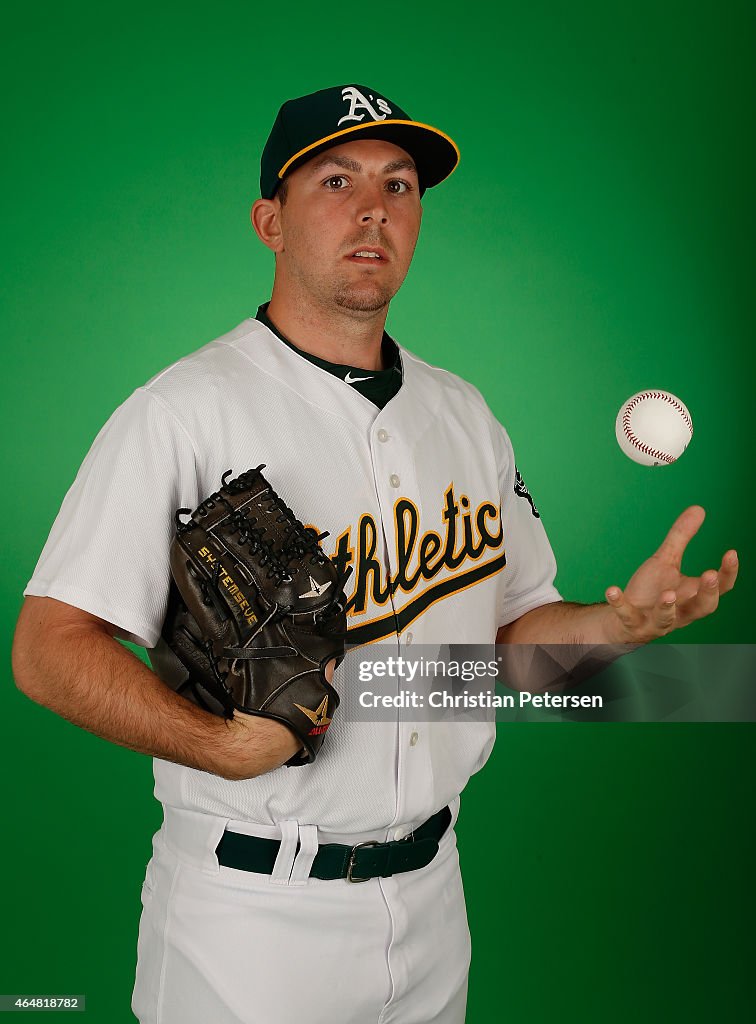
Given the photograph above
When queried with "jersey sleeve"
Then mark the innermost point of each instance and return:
(107, 552)
(527, 580)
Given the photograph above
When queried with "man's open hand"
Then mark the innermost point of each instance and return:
(659, 598)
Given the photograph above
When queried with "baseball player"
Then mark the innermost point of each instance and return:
(251, 911)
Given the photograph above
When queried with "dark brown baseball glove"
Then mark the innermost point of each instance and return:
(256, 610)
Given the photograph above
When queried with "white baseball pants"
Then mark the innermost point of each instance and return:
(222, 946)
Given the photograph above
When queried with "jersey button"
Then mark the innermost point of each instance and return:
(382, 435)
(409, 638)
(394, 480)
(413, 739)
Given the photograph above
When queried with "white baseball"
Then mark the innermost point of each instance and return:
(653, 428)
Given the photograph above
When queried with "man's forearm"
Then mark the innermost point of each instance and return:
(82, 673)
(560, 644)
(563, 622)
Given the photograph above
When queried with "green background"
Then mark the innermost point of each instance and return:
(595, 240)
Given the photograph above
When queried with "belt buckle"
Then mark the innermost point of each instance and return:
(355, 878)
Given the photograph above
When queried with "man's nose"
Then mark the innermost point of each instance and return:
(372, 205)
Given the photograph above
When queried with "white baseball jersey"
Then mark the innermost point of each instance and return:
(419, 497)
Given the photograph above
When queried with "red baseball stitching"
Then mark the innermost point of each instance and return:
(636, 441)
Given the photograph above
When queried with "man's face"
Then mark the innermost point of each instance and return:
(360, 197)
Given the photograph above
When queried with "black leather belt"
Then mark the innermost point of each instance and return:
(355, 863)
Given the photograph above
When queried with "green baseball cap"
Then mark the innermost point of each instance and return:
(312, 124)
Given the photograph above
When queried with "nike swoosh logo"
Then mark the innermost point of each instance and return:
(349, 379)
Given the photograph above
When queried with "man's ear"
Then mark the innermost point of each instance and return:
(266, 220)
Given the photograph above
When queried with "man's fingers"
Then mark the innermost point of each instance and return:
(692, 597)
(628, 613)
(665, 612)
(615, 597)
(705, 601)
(688, 586)
(683, 529)
(645, 625)
(728, 572)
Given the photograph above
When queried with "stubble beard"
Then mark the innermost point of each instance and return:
(365, 296)
(362, 298)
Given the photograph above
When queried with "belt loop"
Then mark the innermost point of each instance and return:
(308, 839)
(454, 808)
(286, 852)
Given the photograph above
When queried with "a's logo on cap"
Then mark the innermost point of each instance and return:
(357, 101)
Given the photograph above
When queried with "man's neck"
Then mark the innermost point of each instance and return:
(345, 338)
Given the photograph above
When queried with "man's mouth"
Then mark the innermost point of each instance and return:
(370, 254)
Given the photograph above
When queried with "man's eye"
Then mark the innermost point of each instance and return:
(397, 186)
(337, 182)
